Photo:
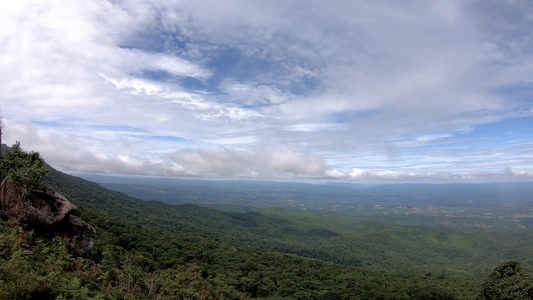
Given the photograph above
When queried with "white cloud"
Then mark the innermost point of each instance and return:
(277, 163)
(358, 174)
(240, 140)
(253, 94)
(309, 127)
(357, 86)
(135, 60)
(505, 173)
(77, 153)
(431, 137)
(138, 85)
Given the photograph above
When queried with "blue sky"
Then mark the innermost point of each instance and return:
(362, 91)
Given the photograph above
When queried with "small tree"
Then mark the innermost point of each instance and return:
(23, 167)
(508, 281)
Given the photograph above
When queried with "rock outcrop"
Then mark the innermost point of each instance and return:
(45, 210)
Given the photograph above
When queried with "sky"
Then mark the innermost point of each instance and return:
(359, 91)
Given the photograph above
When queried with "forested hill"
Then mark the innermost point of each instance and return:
(347, 240)
(229, 226)
(236, 263)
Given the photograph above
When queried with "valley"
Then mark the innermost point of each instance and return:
(473, 228)
(293, 244)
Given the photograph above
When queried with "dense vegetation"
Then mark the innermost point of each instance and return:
(508, 281)
(330, 237)
(22, 167)
(143, 262)
(152, 250)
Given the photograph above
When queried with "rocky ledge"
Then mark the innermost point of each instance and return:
(46, 211)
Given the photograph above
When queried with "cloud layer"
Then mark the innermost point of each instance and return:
(417, 91)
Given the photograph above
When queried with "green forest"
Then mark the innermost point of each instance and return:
(153, 250)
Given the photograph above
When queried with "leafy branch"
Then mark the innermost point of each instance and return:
(23, 167)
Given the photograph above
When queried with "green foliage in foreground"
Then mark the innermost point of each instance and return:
(508, 282)
(136, 262)
(33, 267)
(23, 167)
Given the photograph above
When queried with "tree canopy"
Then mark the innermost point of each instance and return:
(508, 281)
(23, 167)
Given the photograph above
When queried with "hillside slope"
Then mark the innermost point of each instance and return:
(357, 242)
